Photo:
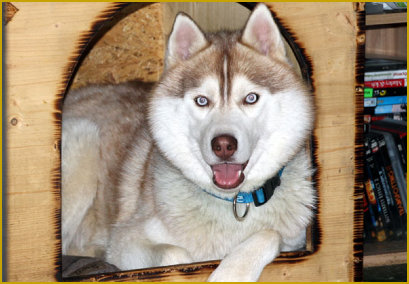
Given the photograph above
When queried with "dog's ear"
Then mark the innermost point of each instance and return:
(262, 34)
(185, 40)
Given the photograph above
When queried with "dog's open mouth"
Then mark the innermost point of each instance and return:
(228, 176)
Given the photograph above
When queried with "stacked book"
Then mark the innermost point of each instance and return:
(385, 204)
(385, 92)
(385, 140)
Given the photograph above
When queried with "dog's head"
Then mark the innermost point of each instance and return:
(229, 111)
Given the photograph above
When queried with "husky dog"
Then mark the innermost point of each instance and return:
(209, 163)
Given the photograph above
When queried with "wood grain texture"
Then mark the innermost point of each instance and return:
(11, 10)
(387, 42)
(385, 259)
(43, 41)
(386, 19)
(329, 34)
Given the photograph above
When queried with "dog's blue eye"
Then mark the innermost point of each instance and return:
(201, 101)
(251, 98)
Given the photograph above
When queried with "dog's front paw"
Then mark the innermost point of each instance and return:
(232, 274)
(172, 255)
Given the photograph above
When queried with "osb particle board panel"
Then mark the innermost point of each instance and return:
(43, 41)
(133, 49)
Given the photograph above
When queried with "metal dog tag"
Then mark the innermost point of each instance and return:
(239, 218)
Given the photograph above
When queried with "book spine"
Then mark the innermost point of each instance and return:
(368, 92)
(395, 138)
(390, 186)
(374, 208)
(387, 83)
(371, 226)
(400, 132)
(402, 152)
(386, 75)
(379, 194)
(386, 92)
(391, 100)
(396, 195)
(396, 108)
(370, 102)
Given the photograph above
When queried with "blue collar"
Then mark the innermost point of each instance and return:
(259, 196)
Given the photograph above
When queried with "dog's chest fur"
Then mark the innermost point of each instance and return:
(171, 209)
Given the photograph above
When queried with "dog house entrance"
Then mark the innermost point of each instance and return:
(132, 47)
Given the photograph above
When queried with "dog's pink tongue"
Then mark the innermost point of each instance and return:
(227, 176)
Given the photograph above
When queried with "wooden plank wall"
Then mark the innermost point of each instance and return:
(42, 40)
(331, 37)
(43, 43)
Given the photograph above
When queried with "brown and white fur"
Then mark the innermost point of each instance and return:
(138, 163)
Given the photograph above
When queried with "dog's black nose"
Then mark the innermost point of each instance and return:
(224, 146)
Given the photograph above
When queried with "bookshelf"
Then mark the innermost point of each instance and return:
(386, 19)
(386, 36)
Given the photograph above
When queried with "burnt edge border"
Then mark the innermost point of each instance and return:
(357, 270)
(155, 273)
(88, 39)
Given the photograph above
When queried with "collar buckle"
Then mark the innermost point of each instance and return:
(263, 194)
